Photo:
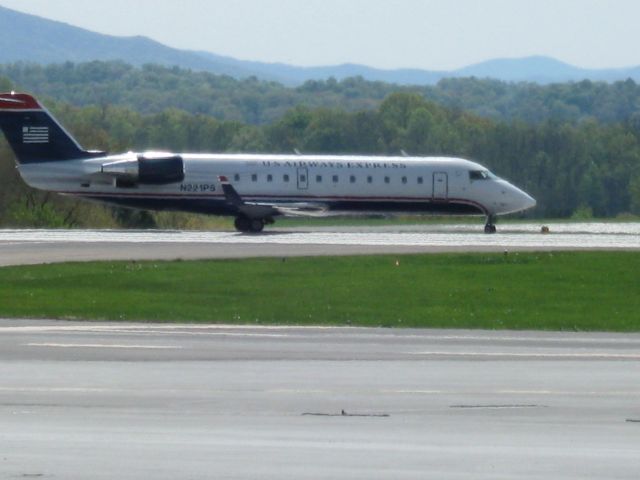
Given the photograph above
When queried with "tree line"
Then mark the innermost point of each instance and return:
(153, 89)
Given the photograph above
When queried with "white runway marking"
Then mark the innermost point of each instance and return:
(578, 356)
(291, 331)
(572, 235)
(142, 330)
(288, 392)
(101, 345)
(156, 327)
(59, 390)
(610, 393)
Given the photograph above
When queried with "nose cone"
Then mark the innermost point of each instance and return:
(527, 201)
(521, 200)
(514, 200)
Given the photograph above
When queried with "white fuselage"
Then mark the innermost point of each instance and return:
(340, 183)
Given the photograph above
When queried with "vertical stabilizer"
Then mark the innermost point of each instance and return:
(33, 133)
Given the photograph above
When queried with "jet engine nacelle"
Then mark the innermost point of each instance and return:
(147, 170)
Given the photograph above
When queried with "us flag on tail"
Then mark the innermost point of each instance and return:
(35, 134)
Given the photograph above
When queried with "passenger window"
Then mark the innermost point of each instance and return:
(420, 180)
(269, 178)
(236, 177)
(387, 179)
(335, 179)
(285, 177)
(254, 177)
(369, 179)
(318, 178)
(352, 179)
(404, 179)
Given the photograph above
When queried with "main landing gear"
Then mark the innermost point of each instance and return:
(490, 226)
(251, 225)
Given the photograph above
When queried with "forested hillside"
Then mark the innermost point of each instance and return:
(152, 89)
(586, 167)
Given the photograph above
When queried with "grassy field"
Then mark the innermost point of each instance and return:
(553, 291)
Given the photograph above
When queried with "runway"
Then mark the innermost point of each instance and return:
(47, 246)
(126, 401)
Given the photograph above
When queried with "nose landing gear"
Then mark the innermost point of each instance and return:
(490, 226)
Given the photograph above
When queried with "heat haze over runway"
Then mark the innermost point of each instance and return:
(43, 246)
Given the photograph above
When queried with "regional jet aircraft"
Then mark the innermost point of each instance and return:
(253, 188)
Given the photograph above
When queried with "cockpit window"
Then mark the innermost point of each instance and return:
(480, 175)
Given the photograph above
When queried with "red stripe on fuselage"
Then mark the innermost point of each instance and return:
(289, 198)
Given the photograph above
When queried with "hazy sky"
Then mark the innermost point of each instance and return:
(429, 34)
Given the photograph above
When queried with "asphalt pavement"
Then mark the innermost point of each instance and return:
(19, 247)
(103, 400)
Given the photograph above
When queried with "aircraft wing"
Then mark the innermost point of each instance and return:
(301, 209)
(268, 209)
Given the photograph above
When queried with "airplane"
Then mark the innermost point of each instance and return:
(253, 188)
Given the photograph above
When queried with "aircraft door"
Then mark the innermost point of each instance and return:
(440, 186)
(303, 179)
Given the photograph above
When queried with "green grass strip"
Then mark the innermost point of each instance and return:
(550, 291)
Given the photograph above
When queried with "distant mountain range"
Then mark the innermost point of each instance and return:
(29, 38)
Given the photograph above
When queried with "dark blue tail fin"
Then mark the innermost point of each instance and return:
(33, 134)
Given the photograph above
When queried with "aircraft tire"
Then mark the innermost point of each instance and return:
(242, 224)
(490, 228)
(256, 225)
